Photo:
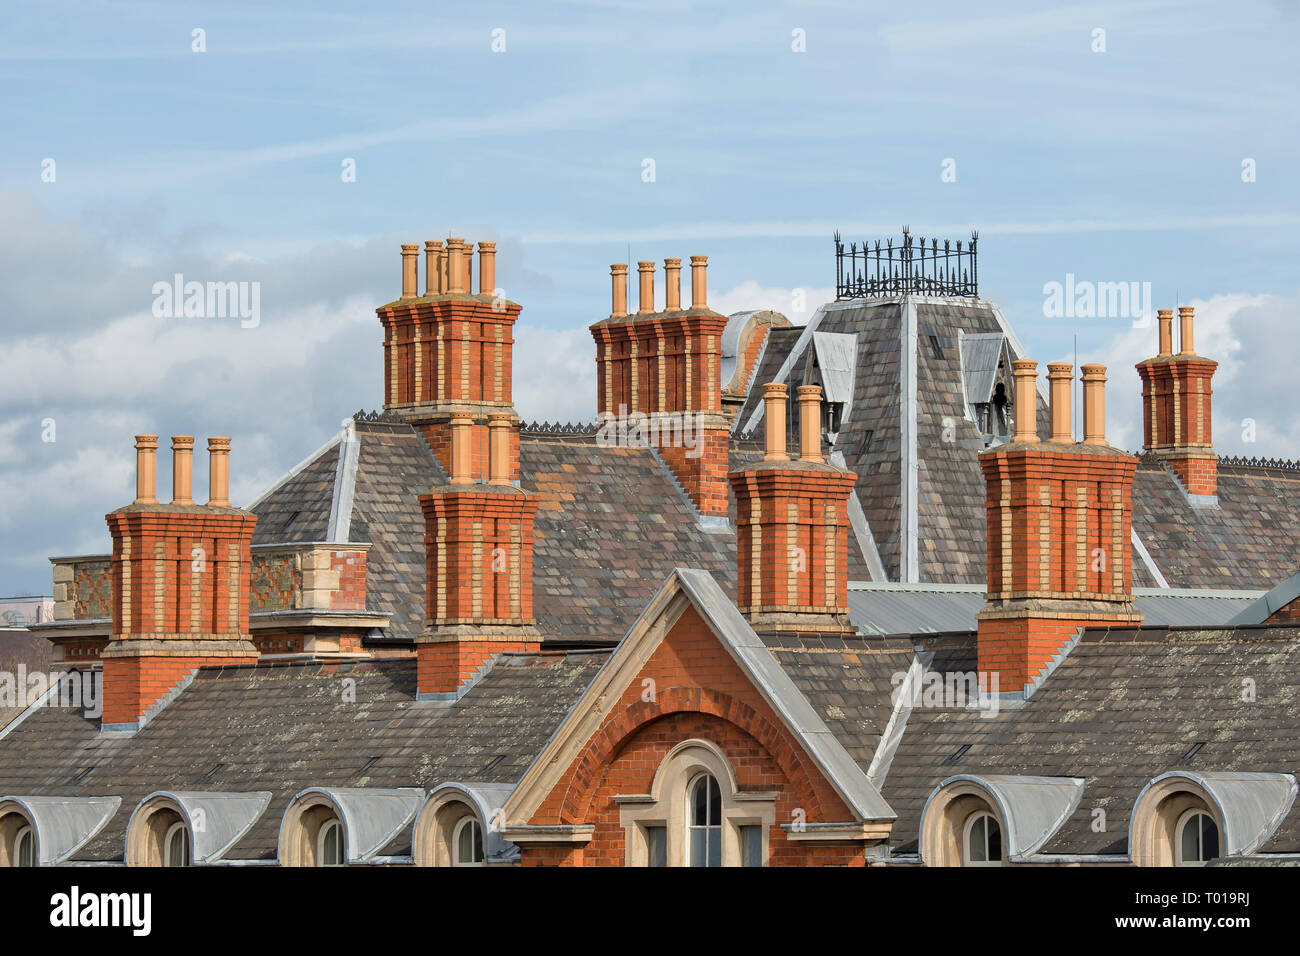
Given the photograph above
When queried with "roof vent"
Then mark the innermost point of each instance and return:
(957, 754)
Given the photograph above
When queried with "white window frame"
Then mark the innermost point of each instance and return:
(1183, 822)
(322, 833)
(702, 780)
(172, 830)
(467, 821)
(24, 833)
(667, 805)
(966, 829)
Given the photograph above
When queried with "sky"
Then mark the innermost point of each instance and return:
(297, 145)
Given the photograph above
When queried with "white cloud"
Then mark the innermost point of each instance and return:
(797, 304)
(1252, 337)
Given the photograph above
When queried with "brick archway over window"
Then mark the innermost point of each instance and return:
(621, 727)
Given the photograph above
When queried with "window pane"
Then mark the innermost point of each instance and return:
(715, 846)
(699, 846)
(976, 851)
(715, 803)
(178, 846)
(994, 838)
(26, 849)
(700, 802)
(330, 855)
(1191, 851)
(751, 846)
(657, 837)
(469, 843)
(1209, 838)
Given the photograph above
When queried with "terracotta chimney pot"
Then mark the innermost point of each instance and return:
(1165, 317)
(1025, 373)
(219, 472)
(699, 292)
(146, 469)
(457, 278)
(647, 297)
(618, 277)
(1094, 405)
(810, 423)
(672, 285)
(462, 427)
(182, 469)
(487, 268)
(433, 268)
(499, 449)
(1186, 343)
(774, 399)
(1060, 378)
(409, 252)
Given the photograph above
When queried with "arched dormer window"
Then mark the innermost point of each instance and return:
(467, 843)
(1198, 839)
(704, 832)
(176, 845)
(982, 840)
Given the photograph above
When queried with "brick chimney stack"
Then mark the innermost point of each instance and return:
(180, 583)
(792, 527)
(662, 369)
(478, 544)
(450, 351)
(1059, 517)
(1176, 407)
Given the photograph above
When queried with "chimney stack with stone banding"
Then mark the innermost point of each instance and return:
(478, 568)
(450, 351)
(1177, 410)
(1059, 522)
(180, 583)
(792, 527)
(665, 368)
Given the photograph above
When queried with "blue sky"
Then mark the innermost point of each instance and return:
(1122, 165)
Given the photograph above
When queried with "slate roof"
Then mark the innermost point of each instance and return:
(1124, 706)
(610, 525)
(1251, 540)
(285, 727)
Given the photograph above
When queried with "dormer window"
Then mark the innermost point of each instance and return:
(832, 417)
(24, 853)
(176, 845)
(1198, 839)
(467, 842)
(329, 844)
(983, 842)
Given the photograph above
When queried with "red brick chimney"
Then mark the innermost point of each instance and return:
(1176, 406)
(1059, 517)
(180, 583)
(478, 544)
(658, 380)
(792, 527)
(450, 351)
